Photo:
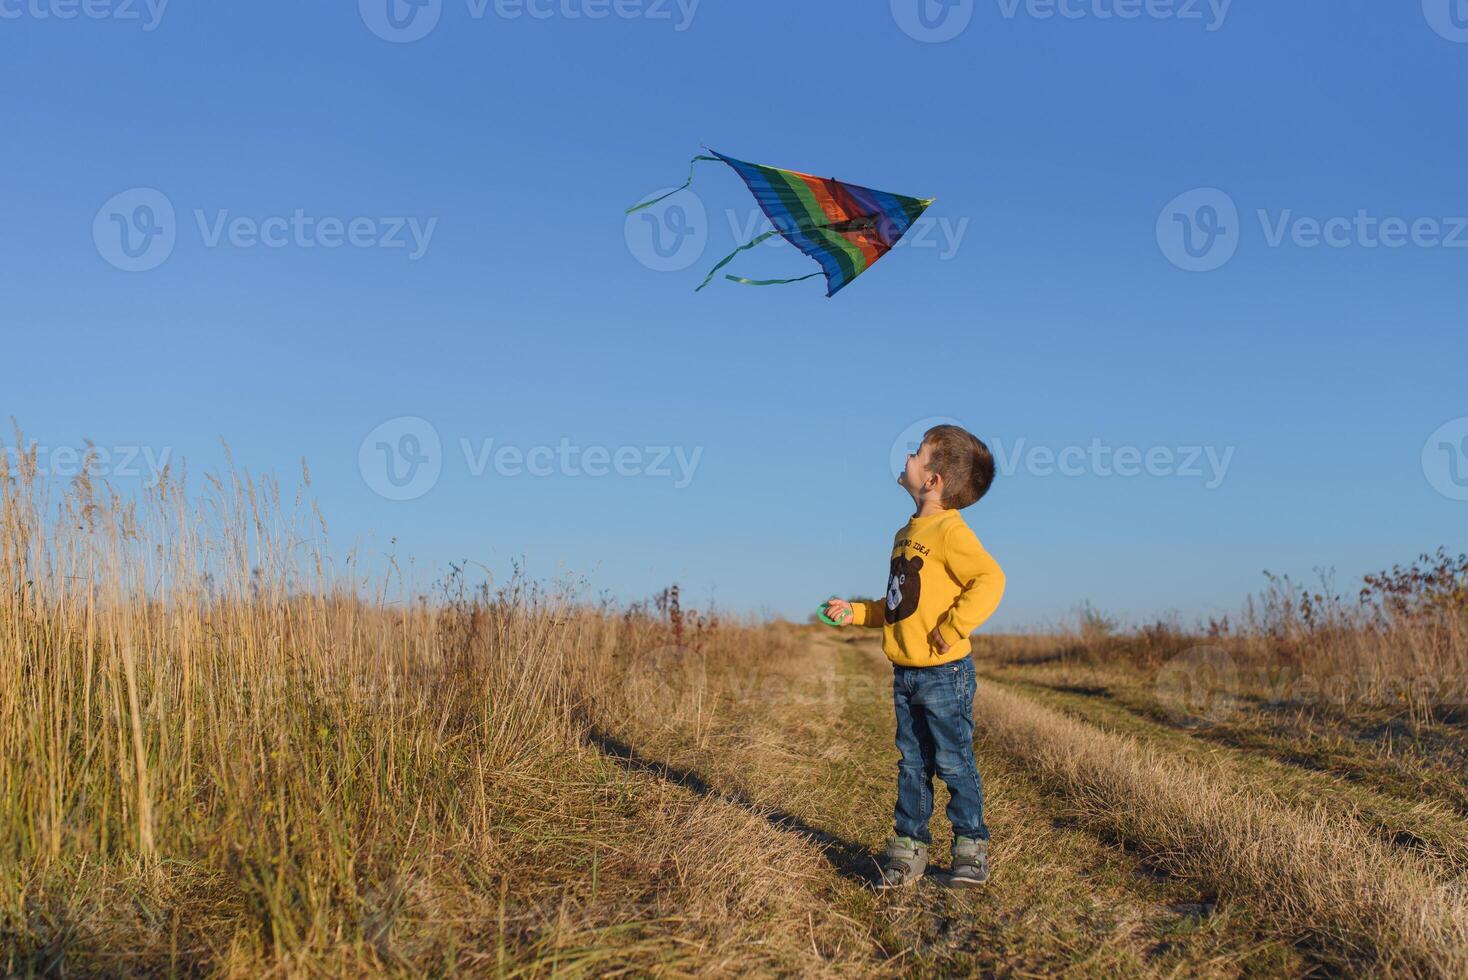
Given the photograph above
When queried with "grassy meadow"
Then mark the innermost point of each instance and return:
(224, 756)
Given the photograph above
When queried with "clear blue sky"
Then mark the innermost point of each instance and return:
(1061, 318)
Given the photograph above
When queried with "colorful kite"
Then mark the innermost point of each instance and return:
(844, 227)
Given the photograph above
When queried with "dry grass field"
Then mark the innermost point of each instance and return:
(223, 756)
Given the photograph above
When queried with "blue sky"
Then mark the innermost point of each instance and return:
(1077, 150)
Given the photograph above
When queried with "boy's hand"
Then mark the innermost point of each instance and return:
(939, 644)
(839, 610)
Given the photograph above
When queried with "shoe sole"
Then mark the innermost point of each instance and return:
(965, 881)
(887, 886)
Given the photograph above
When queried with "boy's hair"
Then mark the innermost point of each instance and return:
(964, 463)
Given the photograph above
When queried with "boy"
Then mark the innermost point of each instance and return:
(942, 585)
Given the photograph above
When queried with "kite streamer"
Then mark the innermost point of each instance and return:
(844, 227)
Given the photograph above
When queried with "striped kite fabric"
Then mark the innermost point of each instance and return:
(844, 227)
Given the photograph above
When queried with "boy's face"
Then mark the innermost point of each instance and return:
(915, 474)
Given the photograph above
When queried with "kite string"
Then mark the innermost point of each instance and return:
(691, 165)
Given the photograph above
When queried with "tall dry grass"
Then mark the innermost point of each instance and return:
(221, 752)
(1400, 641)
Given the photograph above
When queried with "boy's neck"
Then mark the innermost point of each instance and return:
(929, 506)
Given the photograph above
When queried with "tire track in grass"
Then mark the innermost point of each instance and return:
(1309, 877)
(1308, 742)
(742, 880)
(1426, 828)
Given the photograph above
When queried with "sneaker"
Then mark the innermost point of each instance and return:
(906, 860)
(970, 862)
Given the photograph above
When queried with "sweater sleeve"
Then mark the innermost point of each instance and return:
(870, 613)
(980, 579)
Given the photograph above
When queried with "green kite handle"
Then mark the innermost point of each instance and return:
(827, 619)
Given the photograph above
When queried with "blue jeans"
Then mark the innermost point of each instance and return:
(935, 734)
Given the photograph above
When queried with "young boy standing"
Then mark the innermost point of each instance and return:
(942, 585)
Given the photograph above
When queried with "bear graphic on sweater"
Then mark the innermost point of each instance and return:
(903, 588)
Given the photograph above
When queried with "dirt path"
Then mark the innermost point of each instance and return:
(1415, 823)
(810, 753)
(1372, 748)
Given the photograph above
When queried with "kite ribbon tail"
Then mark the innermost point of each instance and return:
(855, 224)
(772, 282)
(731, 256)
(840, 226)
(691, 165)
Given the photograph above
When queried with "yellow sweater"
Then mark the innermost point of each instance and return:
(940, 577)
